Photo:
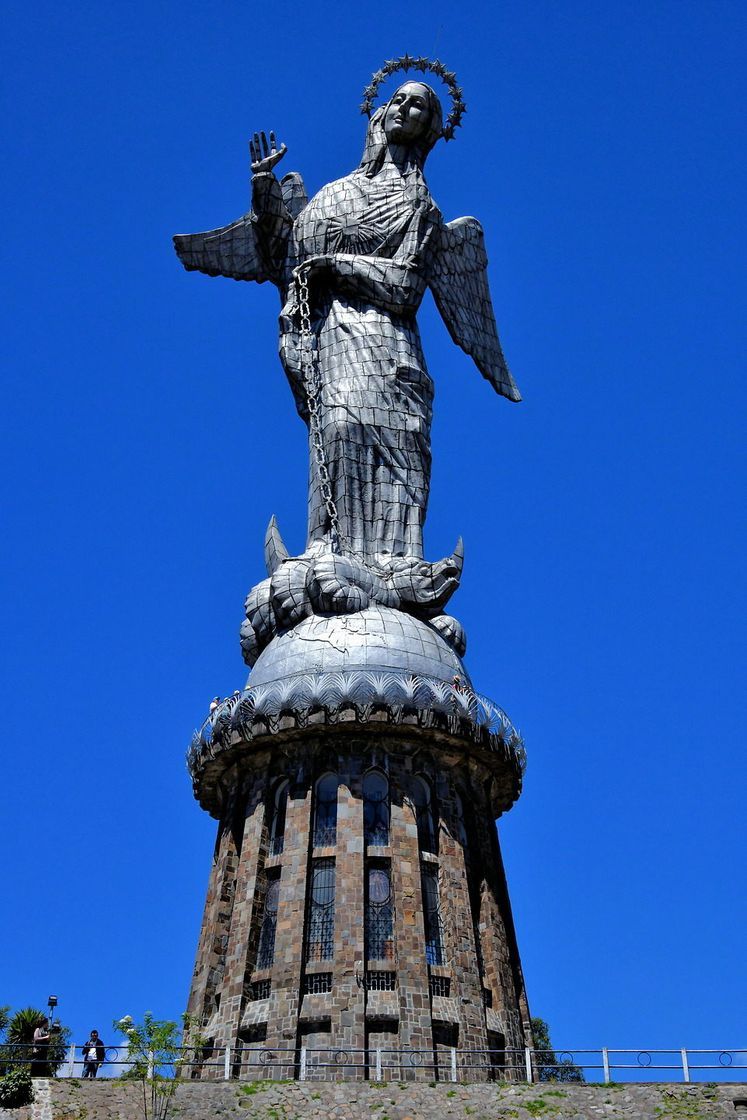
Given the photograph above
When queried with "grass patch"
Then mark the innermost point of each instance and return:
(249, 1088)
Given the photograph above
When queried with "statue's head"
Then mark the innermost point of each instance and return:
(412, 118)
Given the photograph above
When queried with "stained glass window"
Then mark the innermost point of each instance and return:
(376, 808)
(325, 811)
(434, 941)
(320, 926)
(379, 915)
(277, 823)
(266, 950)
(421, 795)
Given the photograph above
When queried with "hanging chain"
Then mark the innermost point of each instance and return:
(312, 386)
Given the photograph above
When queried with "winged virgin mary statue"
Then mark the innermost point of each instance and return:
(352, 266)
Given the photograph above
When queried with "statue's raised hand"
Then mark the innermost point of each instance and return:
(264, 156)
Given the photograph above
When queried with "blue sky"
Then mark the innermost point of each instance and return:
(149, 435)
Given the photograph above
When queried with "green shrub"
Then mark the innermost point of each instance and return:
(15, 1088)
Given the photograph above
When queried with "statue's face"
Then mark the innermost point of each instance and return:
(408, 114)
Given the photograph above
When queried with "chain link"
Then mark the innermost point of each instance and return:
(312, 386)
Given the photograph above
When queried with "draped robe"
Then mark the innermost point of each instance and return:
(375, 399)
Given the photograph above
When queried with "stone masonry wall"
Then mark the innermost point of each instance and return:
(267, 1100)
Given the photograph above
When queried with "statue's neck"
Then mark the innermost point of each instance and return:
(403, 157)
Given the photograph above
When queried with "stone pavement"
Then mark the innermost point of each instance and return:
(272, 1100)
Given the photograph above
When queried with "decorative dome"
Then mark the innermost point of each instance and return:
(378, 660)
(377, 638)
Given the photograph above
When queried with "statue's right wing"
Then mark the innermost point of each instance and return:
(230, 251)
(254, 247)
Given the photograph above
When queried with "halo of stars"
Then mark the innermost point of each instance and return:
(407, 62)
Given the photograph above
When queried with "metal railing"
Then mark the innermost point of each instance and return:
(441, 1063)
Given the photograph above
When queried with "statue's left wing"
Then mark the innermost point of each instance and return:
(459, 282)
(229, 251)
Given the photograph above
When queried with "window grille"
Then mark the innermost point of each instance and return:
(266, 950)
(434, 941)
(325, 811)
(421, 795)
(260, 989)
(440, 985)
(320, 926)
(277, 825)
(379, 915)
(381, 981)
(376, 808)
(314, 983)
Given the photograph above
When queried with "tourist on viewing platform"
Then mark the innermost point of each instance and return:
(93, 1055)
(40, 1050)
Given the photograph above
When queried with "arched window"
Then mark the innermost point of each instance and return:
(277, 819)
(421, 795)
(266, 950)
(376, 808)
(320, 926)
(434, 938)
(379, 915)
(325, 811)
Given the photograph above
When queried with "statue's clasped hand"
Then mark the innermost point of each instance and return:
(265, 156)
(313, 267)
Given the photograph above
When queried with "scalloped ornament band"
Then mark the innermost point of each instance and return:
(406, 62)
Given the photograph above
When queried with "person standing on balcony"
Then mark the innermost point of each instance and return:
(93, 1055)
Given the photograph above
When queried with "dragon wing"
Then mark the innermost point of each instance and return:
(459, 282)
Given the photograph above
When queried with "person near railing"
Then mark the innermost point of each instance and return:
(93, 1055)
(40, 1050)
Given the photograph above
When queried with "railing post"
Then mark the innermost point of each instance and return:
(71, 1060)
(528, 1061)
(302, 1065)
(227, 1064)
(606, 1063)
(378, 1064)
(685, 1066)
(453, 1064)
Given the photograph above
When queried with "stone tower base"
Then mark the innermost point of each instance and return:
(357, 903)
